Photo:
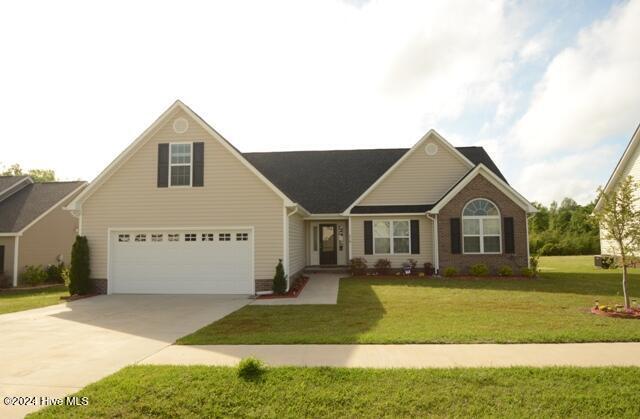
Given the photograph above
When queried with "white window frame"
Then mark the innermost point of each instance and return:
(182, 164)
(481, 234)
(391, 236)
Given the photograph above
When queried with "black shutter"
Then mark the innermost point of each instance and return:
(198, 164)
(163, 165)
(509, 239)
(455, 236)
(368, 237)
(415, 237)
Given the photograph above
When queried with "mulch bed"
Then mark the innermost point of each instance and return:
(28, 288)
(633, 314)
(456, 277)
(294, 291)
(77, 297)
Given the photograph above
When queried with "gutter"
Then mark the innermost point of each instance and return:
(436, 253)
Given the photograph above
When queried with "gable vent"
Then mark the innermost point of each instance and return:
(180, 125)
(431, 149)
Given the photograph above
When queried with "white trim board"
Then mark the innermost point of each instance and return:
(622, 165)
(146, 135)
(430, 134)
(501, 185)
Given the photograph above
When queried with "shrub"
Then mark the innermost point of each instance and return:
(429, 269)
(479, 269)
(358, 266)
(80, 271)
(607, 262)
(527, 272)
(505, 270)
(533, 264)
(33, 275)
(409, 267)
(251, 368)
(55, 272)
(551, 249)
(279, 279)
(450, 271)
(383, 266)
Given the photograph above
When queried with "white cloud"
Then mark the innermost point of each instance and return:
(81, 80)
(554, 179)
(589, 92)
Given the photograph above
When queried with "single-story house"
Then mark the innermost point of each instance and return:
(628, 165)
(181, 210)
(34, 229)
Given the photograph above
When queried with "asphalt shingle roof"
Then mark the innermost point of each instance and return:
(327, 182)
(8, 181)
(24, 206)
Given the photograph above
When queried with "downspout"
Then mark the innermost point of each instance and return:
(16, 246)
(526, 221)
(287, 260)
(350, 241)
(436, 253)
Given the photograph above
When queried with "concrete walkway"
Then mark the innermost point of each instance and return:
(407, 356)
(321, 289)
(56, 350)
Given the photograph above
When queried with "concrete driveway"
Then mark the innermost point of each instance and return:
(57, 350)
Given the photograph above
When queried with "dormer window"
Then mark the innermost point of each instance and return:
(180, 161)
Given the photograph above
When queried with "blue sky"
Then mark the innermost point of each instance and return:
(550, 88)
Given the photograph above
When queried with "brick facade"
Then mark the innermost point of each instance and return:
(480, 187)
(264, 285)
(99, 285)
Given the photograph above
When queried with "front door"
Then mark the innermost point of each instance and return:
(328, 245)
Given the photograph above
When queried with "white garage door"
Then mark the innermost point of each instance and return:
(181, 262)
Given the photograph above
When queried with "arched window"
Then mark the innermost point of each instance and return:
(481, 227)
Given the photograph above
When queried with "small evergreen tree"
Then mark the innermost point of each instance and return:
(279, 279)
(80, 271)
(619, 218)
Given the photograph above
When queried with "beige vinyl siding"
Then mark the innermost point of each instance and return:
(609, 247)
(8, 243)
(231, 196)
(296, 244)
(50, 237)
(426, 241)
(419, 179)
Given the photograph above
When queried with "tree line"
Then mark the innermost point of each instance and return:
(564, 229)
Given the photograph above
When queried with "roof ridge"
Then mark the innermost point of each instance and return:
(346, 149)
(325, 151)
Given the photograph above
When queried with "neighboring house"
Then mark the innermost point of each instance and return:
(628, 165)
(34, 229)
(181, 210)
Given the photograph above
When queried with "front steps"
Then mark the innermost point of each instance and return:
(318, 269)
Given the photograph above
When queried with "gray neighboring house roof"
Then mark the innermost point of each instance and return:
(27, 204)
(7, 182)
(327, 182)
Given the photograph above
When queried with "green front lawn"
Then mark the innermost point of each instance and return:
(552, 308)
(169, 391)
(11, 301)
